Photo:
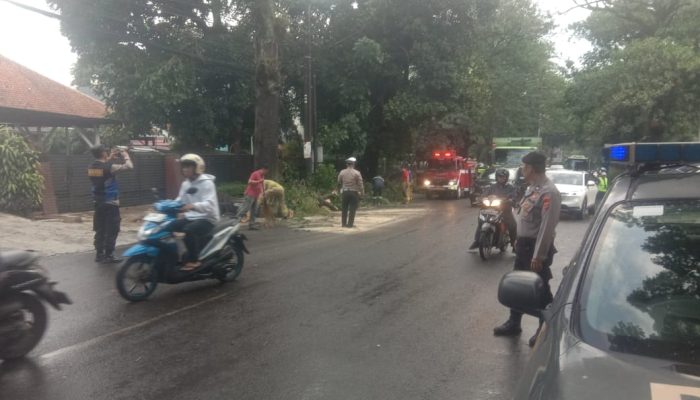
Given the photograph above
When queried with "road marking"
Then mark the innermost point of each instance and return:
(118, 332)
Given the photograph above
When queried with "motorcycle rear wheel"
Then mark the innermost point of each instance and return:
(137, 273)
(235, 264)
(34, 319)
(485, 245)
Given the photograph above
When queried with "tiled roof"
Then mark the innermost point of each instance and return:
(24, 89)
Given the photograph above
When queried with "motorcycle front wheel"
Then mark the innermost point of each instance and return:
(28, 326)
(137, 279)
(485, 245)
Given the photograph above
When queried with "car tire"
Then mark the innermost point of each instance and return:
(583, 212)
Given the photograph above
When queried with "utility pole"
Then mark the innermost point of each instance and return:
(314, 123)
(309, 102)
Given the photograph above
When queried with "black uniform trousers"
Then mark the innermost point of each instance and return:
(196, 232)
(351, 199)
(524, 252)
(106, 224)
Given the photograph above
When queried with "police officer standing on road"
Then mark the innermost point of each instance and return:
(105, 190)
(351, 187)
(537, 220)
(602, 186)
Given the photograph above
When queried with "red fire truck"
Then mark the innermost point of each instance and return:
(446, 173)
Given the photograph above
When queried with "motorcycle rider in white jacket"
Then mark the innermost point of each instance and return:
(201, 207)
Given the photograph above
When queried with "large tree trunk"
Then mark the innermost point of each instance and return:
(267, 87)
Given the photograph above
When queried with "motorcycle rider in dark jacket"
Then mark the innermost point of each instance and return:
(506, 192)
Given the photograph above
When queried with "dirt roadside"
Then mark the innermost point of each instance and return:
(72, 233)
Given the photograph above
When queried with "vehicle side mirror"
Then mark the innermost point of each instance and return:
(590, 183)
(523, 291)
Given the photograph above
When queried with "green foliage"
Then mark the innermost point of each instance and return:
(292, 164)
(233, 189)
(325, 178)
(181, 64)
(642, 80)
(303, 199)
(21, 184)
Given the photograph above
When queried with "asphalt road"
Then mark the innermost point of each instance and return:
(400, 312)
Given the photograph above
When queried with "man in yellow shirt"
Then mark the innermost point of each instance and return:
(273, 202)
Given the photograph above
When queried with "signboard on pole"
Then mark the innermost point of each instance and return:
(307, 149)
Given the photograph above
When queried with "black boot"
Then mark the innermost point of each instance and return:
(509, 328)
(110, 259)
(474, 246)
(99, 256)
(533, 339)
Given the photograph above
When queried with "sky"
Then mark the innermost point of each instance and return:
(35, 41)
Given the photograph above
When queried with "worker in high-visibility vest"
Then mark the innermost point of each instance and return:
(602, 186)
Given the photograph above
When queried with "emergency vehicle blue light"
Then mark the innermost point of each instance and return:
(653, 153)
(619, 153)
(691, 152)
(669, 152)
(646, 153)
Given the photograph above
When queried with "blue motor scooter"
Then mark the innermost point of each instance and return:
(157, 258)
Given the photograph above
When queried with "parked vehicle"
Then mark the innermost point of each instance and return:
(577, 189)
(158, 256)
(625, 322)
(494, 232)
(577, 163)
(448, 175)
(23, 286)
(508, 151)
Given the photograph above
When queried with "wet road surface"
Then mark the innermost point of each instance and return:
(400, 312)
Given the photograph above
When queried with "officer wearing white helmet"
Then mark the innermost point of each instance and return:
(351, 187)
(201, 207)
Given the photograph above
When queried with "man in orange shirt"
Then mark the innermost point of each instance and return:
(254, 190)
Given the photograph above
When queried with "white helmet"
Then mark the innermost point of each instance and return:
(351, 160)
(197, 160)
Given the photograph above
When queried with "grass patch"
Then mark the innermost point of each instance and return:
(233, 189)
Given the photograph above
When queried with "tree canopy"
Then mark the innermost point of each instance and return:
(642, 80)
(392, 77)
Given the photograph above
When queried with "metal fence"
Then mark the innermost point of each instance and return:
(73, 190)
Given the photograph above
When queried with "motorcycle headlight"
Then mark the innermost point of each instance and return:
(496, 203)
(426, 182)
(486, 202)
(452, 182)
(145, 232)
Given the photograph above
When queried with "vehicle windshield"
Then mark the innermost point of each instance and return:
(642, 293)
(509, 157)
(576, 165)
(441, 164)
(566, 179)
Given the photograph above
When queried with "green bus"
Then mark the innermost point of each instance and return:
(508, 151)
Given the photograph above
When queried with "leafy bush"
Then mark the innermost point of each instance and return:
(235, 189)
(303, 199)
(21, 184)
(325, 178)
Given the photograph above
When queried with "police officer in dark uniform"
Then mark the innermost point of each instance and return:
(505, 191)
(105, 191)
(537, 220)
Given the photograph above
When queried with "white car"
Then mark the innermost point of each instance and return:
(577, 189)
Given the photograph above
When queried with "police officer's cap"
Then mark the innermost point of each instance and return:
(97, 150)
(535, 158)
